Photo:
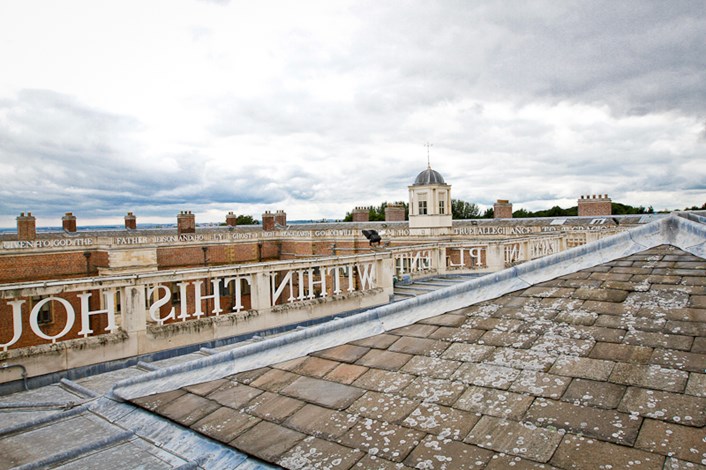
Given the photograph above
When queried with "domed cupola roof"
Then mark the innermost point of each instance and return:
(428, 176)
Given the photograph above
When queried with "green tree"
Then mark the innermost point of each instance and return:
(621, 209)
(695, 208)
(464, 210)
(521, 214)
(243, 220)
(377, 213)
(246, 220)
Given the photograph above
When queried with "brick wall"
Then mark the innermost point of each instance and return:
(231, 254)
(394, 213)
(270, 250)
(502, 209)
(599, 205)
(179, 256)
(361, 214)
(26, 227)
(281, 218)
(69, 264)
(130, 221)
(268, 221)
(295, 249)
(186, 222)
(172, 257)
(68, 222)
(322, 247)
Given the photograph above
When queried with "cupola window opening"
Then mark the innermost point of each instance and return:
(422, 199)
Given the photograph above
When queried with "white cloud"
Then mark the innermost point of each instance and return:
(316, 107)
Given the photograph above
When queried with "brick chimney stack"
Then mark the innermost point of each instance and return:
(394, 212)
(130, 221)
(68, 222)
(186, 222)
(502, 209)
(268, 221)
(26, 227)
(598, 206)
(361, 214)
(231, 219)
(281, 218)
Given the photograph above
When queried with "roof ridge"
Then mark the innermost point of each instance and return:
(673, 230)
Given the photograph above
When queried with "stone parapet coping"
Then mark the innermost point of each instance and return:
(674, 230)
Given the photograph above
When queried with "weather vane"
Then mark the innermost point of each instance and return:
(428, 146)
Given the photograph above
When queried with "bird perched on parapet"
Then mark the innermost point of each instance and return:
(373, 237)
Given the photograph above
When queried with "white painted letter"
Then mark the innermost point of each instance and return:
(16, 323)
(366, 274)
(475, 256)
(199, 297)
(276, 292)
(322, 282)
(86, 312)
(70, 318)
(238, 291)
(154, 308)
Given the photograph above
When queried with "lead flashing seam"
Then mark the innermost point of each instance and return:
(58, 416)
(183, 443)
(77, 451)
(381, 319)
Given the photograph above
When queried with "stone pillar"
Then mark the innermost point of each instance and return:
(268, 221)
(361, 214)
(130, 221)
(260, 292)
(26, 227)
(231, 219)
(186, 222)
(394, 212)
(134, 316)
(281, 218)
(443, 259)
(596, 206)
(502, 209)
(68, 222)
(385, 274)
(495, 257)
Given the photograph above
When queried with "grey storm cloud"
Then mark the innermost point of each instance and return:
(634, 56)
(70, 156)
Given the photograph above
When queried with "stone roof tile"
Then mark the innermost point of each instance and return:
(604, 369)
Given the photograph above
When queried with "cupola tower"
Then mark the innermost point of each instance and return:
(429, 204)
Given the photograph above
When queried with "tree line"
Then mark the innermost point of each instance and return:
(468, 210)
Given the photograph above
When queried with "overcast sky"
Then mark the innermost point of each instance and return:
(317, 107)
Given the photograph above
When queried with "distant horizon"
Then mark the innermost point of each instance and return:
(168, 224)
(148, 225)
(151, 225)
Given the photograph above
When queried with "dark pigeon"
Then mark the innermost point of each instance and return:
(373, 237)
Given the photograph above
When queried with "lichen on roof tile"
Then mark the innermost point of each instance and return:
(616, 377)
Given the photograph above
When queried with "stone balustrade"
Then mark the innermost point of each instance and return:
(121, 316)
